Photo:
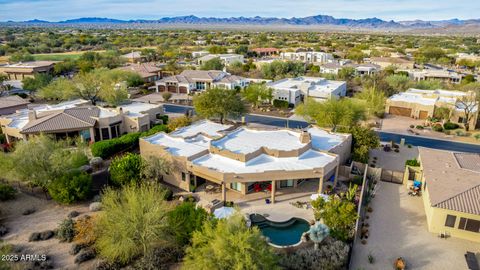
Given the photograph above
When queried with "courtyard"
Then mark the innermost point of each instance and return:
(398, 228)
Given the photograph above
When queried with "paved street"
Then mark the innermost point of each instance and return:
(384, 136)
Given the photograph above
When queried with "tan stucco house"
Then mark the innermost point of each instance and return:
(22, 70)
(451, 192)
(421, 104)
(240, 158)
(78, 118)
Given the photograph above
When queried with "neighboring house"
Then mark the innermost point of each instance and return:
(241, 159)
(134, 57)
(11, 104)
(451, 192)
(78, 118)
(198, 54)
(226, 59)
(200, 42)
(198, 80)
(331, 68)
(148, 71)
(263, 52)
(22, 70)
(398, 62)
(307, 57)
(365, 69)
(432, 74)
(295, 90)
(421, 104)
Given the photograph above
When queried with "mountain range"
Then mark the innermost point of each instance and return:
(318, 20)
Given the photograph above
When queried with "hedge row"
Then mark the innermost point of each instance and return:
(450, 126)
(277, 103)
(108, 148)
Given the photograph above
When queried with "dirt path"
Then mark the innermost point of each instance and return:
(47, 216)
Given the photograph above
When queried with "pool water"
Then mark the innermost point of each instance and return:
(281, 233)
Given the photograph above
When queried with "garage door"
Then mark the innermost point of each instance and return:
(172, 89)
(423, 115)
(182, 89)
(400, 111)
(161, 88)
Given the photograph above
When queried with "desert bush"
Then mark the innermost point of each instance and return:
(160, 258)
(437, 128)
(179, 122)
(66, 230)
(73, 214)
(412, 162)
(184, 220)
(7, 192)
(108, 148)
(76, 248)
(331, 255)
(450, 126)
(282, 104)
(133, 222)
(126, 169)
(85, 230)
(419, 127)
(41, 236)
(71, 187)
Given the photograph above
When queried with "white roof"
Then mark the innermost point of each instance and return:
(309, 160)
(180, 146)
(315, 85)
(413, 98)
(137, 108)
(206, 127)
(323, 140)
(246, 141)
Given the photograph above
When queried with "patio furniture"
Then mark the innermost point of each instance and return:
(209, 189)
(472, 262)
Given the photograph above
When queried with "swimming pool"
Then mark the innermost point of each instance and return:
(281, 233)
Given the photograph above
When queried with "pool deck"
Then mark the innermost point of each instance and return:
(281, 210)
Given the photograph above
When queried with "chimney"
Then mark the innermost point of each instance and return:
(305, 137)
(32, 115)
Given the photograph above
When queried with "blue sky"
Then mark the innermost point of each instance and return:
(153, 9)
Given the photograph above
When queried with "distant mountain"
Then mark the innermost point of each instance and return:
(318, 20)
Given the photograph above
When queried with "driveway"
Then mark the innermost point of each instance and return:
(398, 228)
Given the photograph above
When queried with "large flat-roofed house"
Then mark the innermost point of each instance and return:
(148, 71)
(421, 104)
(307, 57)
(11, 104)
(294, 90)
(78, 118)
(199, 80)
(262, 52)
(432, 74)
(398, 62)
(22, 70)
(238, 158)
(226, 59)
(451, 192)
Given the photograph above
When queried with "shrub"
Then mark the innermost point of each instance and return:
(154, 130)
(160, 258)
(460, 133)
(71, 187)
(85, 230)
(75, 248)
(168, 194)
(477, 136)
(330, 255)
(450, 126)
(126, 169)
(164, 119)
(419, 127)
(107, 148)
(66, 230)
(184, 220)
(437, 128)
(412, 126)
(412, 162)
(282, 104)
(2, 139)
(7, 192)
(179, 122)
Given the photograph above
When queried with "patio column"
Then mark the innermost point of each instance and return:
(336, 175)
(320, 185)
(274, 187)
(224, 193)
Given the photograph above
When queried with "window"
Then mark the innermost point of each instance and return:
(450, 221)
(470, 225)
(236, 186)
(113, 130)
(105, 134)
(286, 183)
(184, 176)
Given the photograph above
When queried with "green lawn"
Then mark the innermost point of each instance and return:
(56, 57)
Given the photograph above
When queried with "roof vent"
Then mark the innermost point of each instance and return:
(305, 137)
